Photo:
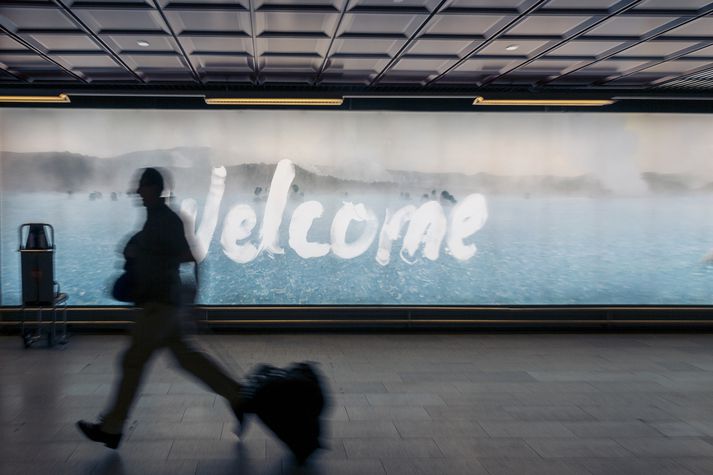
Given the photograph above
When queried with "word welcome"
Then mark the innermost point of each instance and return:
(428, 225)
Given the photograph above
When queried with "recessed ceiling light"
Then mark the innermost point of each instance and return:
(512, 47)
(479, 100)
(143, 44)
(60, 98)
(272, 101)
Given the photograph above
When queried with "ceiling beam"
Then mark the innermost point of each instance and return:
(490, 39)
(594, 22)
(98, 41)
(327, 56)
(185, 57)
(41, 53)
(253, 36)
(672, 25)
(409, 43)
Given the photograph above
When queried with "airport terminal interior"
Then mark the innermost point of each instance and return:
(356, 237)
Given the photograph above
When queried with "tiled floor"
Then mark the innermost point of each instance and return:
(401, 404)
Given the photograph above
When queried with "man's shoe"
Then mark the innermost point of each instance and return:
(94, 432)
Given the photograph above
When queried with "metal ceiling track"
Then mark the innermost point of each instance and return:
(326, 59)
(41, 53)
(408, 44)
(185, 57)
(498, 34)
(703, 12)
(97, 40)
(595, 22)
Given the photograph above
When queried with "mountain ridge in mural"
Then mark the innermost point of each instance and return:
(190, 168)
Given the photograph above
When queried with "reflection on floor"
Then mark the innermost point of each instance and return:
(402, 404)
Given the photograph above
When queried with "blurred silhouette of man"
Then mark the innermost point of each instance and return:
(157, 252)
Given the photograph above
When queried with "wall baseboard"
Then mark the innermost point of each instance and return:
(396, 317)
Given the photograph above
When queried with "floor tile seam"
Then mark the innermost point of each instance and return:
(611, 439)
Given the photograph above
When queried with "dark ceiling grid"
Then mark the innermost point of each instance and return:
(41, 53)
(701, 78)
(310, 70)
(522, 15)
(96, 39)
(407, 45)
(185, 57)
(655, 33)
(671, 57)
(593, 22)
(369, 56)
(325, 61)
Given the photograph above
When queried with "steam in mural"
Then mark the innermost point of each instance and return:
(391, 208)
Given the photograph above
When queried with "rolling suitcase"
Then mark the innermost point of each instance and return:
(289, 402)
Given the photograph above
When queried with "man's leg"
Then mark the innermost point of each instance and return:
(204, 368)
(147, 336)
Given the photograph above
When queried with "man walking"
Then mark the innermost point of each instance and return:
(157, 252)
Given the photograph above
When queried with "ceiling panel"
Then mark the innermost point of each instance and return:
(303, 46)
(486, 3)
(607, 68)
(547, 25)
(316, 23)
(8, 44)
(297, 3)
(666, 4)
(210, 64)
(657, 49)
(80, 62)
(216, 44)
(701, 27)
(630, 26)
(463, 24)
(512, 48)
(108, 20)
(679, 67)
(23, 61)
(544, 67)
(425, 65)
(447, 47)
(288, 63)
(428, 4)
(367, 46)
(80, 42)
(172, 62)
(490, 66)
(371, 24)
(582, 4)
(199, 21)
(585, 48)
(35, 19)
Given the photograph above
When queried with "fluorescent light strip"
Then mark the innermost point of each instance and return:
(60, 99)
(481, 101)
(270, 101)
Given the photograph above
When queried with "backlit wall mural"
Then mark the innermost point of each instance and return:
(396, 208)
